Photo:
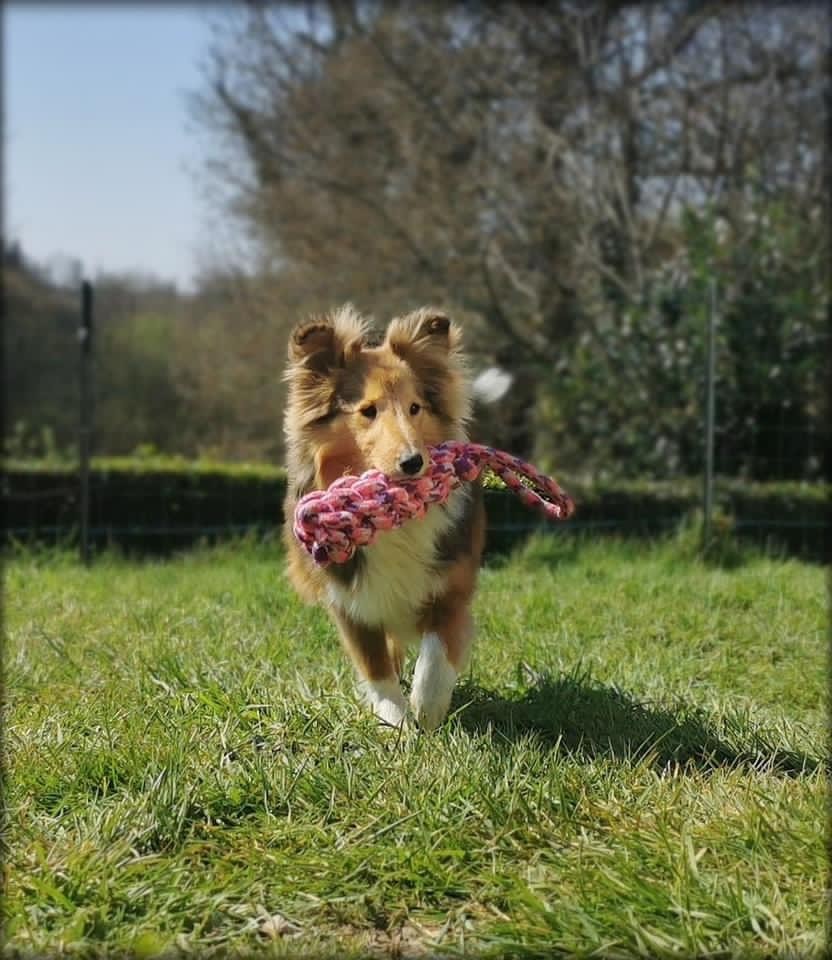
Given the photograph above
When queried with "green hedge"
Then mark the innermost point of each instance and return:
(143, 503)
(787, 517)
(164, 503)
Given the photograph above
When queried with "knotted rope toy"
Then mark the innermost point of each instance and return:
(331, 524)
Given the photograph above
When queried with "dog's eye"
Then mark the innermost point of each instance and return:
(414, 409)
(369, 411)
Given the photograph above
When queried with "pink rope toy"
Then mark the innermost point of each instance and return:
(331, 524)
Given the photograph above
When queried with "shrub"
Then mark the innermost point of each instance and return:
(159, 503)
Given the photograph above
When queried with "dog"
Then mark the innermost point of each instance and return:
(356, 402)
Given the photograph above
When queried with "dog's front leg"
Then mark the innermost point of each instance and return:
(442, 657)
(378, 678)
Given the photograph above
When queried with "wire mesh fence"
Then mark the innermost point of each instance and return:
(767, 461)
(160, 515)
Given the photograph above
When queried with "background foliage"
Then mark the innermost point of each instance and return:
(568, 180)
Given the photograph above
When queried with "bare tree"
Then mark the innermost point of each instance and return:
(525, 165)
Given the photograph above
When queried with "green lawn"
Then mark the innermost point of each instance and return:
(633, 767)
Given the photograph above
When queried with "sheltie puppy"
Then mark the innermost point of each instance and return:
(356, 403)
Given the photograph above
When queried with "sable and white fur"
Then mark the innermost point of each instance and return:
(353, 406)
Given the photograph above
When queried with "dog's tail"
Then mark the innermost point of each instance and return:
(511, 426)
(491, 385)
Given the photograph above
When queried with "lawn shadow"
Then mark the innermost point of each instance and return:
(593, 720)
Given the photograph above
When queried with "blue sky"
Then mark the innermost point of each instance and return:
(99, 161)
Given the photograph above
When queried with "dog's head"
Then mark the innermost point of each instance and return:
(354, 406)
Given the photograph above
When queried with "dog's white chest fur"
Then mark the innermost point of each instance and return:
(398, 575)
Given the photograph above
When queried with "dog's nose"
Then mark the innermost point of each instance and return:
(412, 465)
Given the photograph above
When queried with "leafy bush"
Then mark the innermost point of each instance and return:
(628, 399)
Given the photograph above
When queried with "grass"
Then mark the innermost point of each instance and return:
(634, 765)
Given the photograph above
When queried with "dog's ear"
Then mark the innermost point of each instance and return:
(321, 346)
(424, 331)
(315, 347)
(429, 342)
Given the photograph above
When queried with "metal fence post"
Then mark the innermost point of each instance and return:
(85, 416)
(710, 411)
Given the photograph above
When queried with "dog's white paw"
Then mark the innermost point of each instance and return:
(386, 699)
(433, 683)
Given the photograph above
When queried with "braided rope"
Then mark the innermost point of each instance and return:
(331, 524)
